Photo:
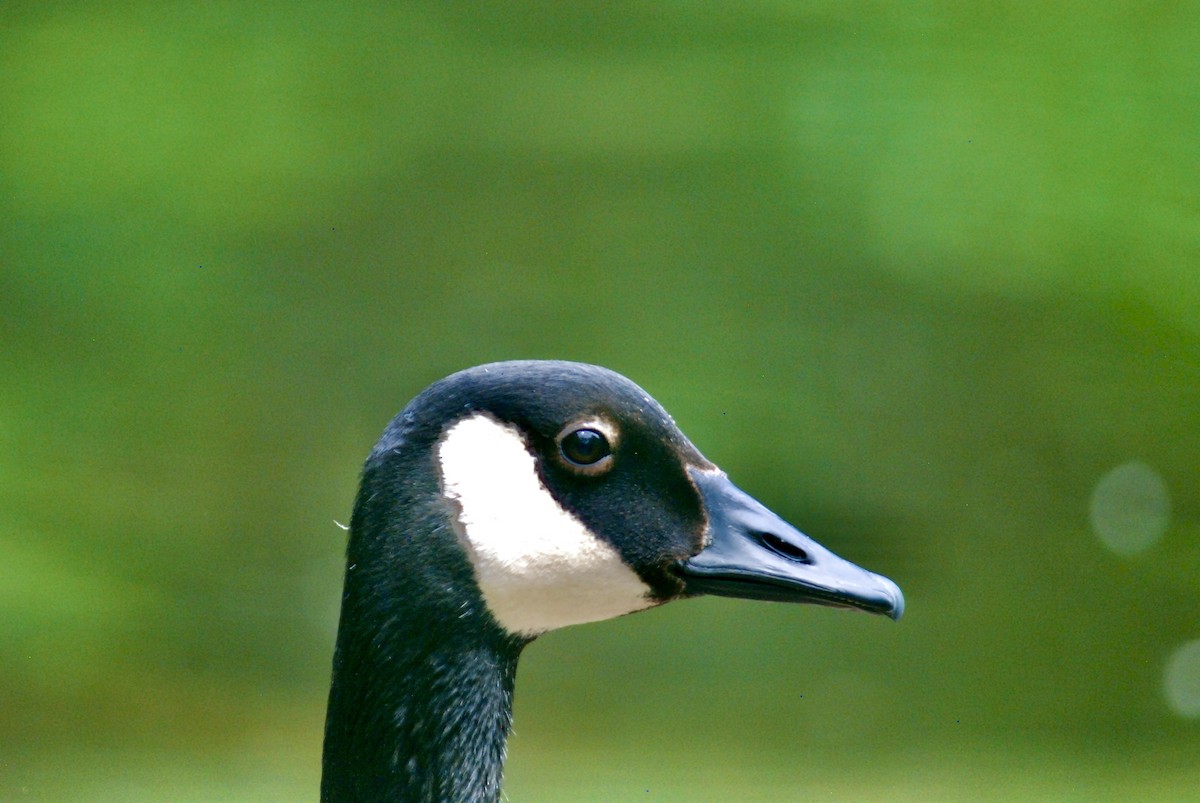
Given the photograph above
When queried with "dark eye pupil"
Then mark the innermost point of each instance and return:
(585, 446)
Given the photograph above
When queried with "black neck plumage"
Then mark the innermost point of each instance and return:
(425, 720)
(421, 699)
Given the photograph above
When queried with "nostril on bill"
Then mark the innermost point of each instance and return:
(783, 548)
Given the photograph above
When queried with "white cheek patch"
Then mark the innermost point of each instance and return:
(537, 565)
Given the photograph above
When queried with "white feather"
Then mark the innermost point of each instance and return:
(537, 565)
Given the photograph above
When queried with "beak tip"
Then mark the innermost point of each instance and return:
(896, 597)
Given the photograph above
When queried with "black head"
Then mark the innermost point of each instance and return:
(574, 497)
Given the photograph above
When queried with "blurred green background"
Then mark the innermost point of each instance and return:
(925, 278)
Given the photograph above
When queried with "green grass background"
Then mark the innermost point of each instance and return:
(917, 275)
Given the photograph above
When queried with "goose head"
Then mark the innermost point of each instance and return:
(509, 500)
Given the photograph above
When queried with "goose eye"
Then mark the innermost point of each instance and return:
(585, 447)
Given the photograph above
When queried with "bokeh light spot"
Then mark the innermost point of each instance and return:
(1130, 508)
(1181, 681)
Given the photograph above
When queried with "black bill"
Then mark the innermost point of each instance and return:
(754, 554)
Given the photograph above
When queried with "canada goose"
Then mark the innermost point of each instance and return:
(508, 500)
